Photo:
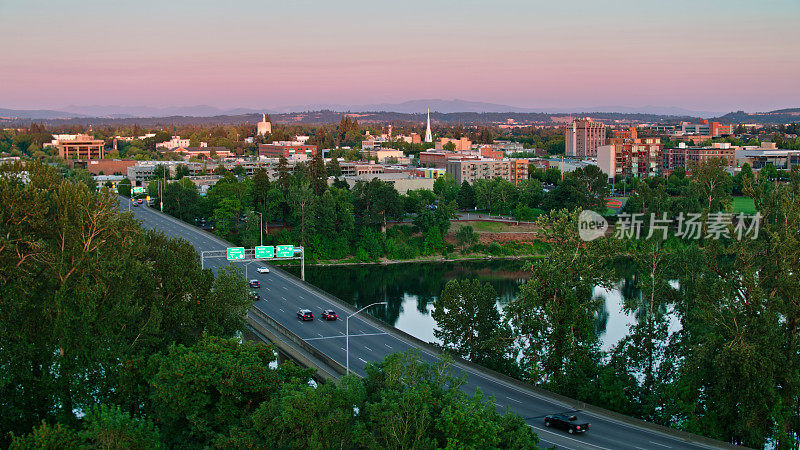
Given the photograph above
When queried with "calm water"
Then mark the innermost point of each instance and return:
(410, 290)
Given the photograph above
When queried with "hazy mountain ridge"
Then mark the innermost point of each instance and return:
(442, 111)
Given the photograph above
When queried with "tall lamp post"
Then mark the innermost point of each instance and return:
(347, 334)
(261, 228)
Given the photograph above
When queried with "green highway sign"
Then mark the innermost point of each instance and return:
(235, 253)
(266, 251)
(285, 251)
(138, 190)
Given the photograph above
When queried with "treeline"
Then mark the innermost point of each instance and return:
(714, 346)
(337, 222)
(114, 337)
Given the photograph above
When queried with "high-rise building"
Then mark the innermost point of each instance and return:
(428, 134)
(633, 158)
(264, 127)
(583, 136)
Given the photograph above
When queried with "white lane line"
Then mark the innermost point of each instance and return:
(281, 309)
(285, 288)
(581, 443)
(320, 335)
(343, 349)
(362, 360)
(388, 345)
(368, 349)
(662, 445)
(344, 336)
(513, 400)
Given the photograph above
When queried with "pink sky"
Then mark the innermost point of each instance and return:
(722, 55)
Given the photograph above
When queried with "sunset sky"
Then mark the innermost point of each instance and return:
(697, 54)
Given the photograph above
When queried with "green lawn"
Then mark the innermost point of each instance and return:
(744, 205)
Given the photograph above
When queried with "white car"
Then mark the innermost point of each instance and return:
(263, 270)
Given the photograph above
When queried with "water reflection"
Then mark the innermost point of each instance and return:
(410, 289)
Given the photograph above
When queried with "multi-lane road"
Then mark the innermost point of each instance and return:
(283, 295)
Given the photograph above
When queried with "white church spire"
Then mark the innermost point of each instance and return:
(428, 135)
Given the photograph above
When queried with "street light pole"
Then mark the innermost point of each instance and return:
(261, 228)
(347, 334)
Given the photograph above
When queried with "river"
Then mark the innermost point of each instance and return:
(410, 289)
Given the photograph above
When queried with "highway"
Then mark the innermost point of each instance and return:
(283, 295)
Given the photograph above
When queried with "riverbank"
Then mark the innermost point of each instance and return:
(387, 262)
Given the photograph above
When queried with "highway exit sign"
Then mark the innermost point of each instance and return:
(235, 253)
(285, 251)
(265, 251)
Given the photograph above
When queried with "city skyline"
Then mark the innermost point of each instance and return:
(716, 56)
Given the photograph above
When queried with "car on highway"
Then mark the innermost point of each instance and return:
(139, 201)
(305, 314)
(262, 270)
(135, 204)
(255, 284)
(328, 314)
(565, 422)
(255, 296)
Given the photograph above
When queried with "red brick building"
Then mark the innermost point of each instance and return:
(286, 149)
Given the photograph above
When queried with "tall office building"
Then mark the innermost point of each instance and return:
(583, 136)
(428, 134)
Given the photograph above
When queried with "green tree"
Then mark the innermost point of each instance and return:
(124, 187)
(466, 196)
(446, 188)
(712, 185)
(469, 324)
(201, 394)
(554, 314)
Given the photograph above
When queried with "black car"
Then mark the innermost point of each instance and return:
(328, 314)
(565, 422)
(255, 284)
(305, 314)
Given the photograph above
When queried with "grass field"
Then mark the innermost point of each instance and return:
(744, 205)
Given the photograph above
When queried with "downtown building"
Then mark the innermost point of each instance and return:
(470, 170)
(287, 149)
(79, 146)
(628, 158)
(583, 137)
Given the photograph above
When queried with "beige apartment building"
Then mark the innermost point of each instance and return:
(583, 136)
(485, 169)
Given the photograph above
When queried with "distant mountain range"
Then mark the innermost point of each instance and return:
(409, 107)
(445, 111)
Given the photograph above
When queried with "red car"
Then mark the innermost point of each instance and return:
(328, 314)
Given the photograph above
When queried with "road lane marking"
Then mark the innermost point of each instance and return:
(362, 360)
(582, 443)
(662, 445)
(343, 336)
(368, 349)
(387, 345)
(513, 400)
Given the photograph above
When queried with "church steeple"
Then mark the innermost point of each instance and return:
(428, 134)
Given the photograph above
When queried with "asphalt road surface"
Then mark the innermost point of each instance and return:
(282, 296)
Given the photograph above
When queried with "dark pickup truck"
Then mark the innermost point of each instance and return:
(565, 422)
